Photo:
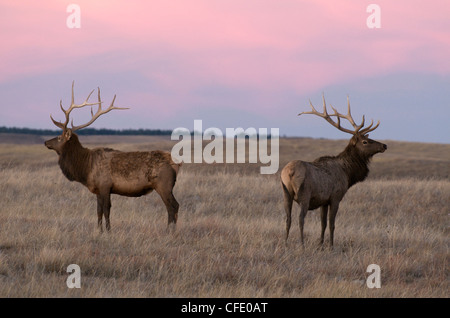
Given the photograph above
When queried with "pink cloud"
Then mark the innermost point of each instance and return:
(302, 45)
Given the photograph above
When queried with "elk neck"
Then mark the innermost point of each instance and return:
(355, 164)
(75, 160)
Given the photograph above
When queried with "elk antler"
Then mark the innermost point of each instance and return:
(85, 103)
(327, 117)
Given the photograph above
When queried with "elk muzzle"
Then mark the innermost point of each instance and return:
(49, 143)
(53, 144)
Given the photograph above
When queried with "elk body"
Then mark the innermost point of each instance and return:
(324, 182)
(105, 171)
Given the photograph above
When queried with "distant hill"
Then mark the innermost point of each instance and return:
(87, 131)
(20, 139)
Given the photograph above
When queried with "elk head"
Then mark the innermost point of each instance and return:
(67, 134)
(360, 140)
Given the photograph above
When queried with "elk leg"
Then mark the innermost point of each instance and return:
(304, 209)
(288, 209)
(99, 213)
(106, 210)
(333, 211)
(103, 208)
(171, 206)
(323, 219)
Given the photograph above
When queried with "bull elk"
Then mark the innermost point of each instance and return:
(324, 182)
(105, 171)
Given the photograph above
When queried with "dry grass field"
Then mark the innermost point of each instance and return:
(229, 240)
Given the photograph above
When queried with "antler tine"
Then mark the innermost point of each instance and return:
(86, 102)
(357, 128)
(349, 117)
(324, 105)
(349, 111)
(314, 111)
(336, 113)
(57, 123)
(71, 107)
(327, 117)
(73, 98)
(369, 128)
(99, 112)
(337, 124)
(60, 105)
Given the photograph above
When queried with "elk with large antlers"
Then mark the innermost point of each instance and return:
(324, 182)
(106, 171)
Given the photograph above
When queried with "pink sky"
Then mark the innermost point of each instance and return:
(189, 52)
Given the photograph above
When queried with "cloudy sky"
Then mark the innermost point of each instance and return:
(231, 63)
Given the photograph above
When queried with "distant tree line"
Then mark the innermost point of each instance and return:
(97, 132)
(88, 131)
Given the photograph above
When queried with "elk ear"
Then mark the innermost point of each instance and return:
(353, 141)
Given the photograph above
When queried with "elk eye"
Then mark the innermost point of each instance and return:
(365, 142)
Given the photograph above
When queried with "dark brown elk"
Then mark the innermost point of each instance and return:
(106, 171)
(324, 182)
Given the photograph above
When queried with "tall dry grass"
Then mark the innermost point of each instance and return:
(230, 234)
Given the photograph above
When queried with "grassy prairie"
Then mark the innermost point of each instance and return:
(230, 234)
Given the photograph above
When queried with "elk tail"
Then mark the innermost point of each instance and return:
(286, 190)
(286, 181)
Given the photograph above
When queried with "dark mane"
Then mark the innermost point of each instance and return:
(355, 164)
(74, 160)
(324, 159)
